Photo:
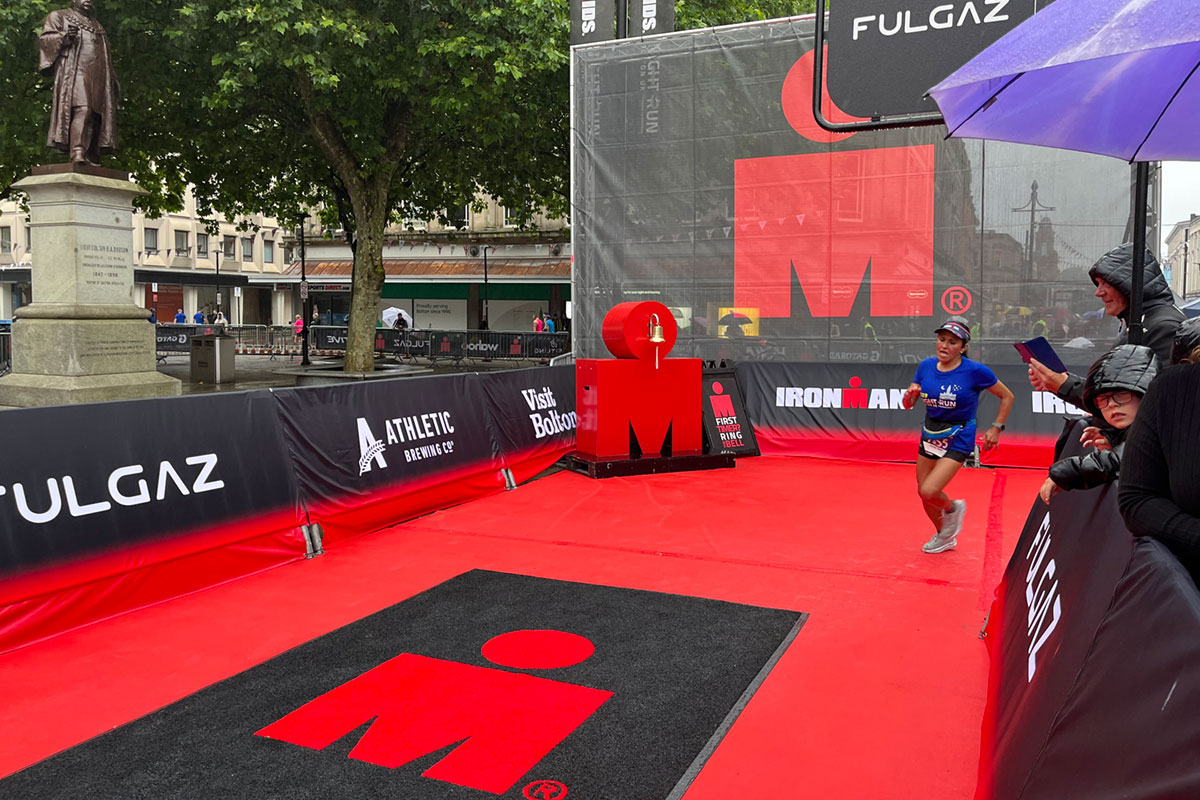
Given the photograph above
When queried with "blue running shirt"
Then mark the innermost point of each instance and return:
(952, 396)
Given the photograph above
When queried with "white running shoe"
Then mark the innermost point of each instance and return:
(952, 520)
(940, 543)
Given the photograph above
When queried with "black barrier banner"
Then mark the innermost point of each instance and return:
(726, 424)
(453, 344)
(533, 414)
(1129, 728)
(80, 479)
(885, 54)
(856, 410)
(360, 445)
(592, 20)
(176, 338)
(1053, 596)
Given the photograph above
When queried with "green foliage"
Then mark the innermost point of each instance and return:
(379, 109)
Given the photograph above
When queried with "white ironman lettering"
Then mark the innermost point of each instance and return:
(164, 470)
(45, 516)
(73, 505)
(589, 25)
(588, 11)
(649, 24)
(202, 483)
(114, 490)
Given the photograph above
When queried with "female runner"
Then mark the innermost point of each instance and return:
(949, 385)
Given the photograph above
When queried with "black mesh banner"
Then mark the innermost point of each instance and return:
(370, 454)
(701, 180)
(533, 413)
(82, 479)
(1089, 637)
(856, 411)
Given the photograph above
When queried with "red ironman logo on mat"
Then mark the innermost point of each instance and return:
(504, 722)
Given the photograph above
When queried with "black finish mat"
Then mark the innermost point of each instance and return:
(593, 691)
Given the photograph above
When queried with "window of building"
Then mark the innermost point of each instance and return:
(247, 248)
(6, 239)
(229, 247)
(510, 218)
(414, 224)
(182, 246)
(268, 251)
(202, 245)
(459, 216)
(151, 241)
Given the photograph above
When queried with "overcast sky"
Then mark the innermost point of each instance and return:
(1180, 193)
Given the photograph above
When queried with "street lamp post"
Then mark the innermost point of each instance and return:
(304, 300)
(217, 253)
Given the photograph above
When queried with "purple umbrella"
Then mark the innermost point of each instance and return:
(1114, 77)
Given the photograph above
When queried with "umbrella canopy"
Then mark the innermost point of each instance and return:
(735, 318)
(391, 314)
(1114, 77)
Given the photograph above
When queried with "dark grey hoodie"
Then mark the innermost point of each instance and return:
(1160, 317)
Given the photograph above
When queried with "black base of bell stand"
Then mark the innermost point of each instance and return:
(614, 468)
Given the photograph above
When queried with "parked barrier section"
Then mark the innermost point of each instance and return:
(1094, 641)
(109, 507)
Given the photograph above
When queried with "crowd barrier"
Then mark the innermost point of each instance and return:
(5, 352)
(855, 411)
(1094, 645)
(169, 495)
(455, 345)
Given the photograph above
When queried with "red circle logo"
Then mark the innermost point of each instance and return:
(956, 300)
(540, 649)
(545, 790)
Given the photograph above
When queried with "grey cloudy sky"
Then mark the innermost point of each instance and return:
(1180, 192)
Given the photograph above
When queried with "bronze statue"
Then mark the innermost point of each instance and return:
(86, 92)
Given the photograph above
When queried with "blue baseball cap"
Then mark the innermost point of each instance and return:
(955, 328)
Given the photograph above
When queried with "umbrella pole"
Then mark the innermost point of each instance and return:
(1141, 187)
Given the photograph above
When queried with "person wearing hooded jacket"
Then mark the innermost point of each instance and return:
(1113, 276)
(1112, 392)
(1160, 482)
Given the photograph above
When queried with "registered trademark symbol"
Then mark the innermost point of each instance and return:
(545, 790)
(956, 300)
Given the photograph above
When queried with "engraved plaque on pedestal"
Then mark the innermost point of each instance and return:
(82, 339)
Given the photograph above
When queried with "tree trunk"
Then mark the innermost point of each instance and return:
(370, 215)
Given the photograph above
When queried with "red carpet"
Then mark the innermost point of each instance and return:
(881, 697)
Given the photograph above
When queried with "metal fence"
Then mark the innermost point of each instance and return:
(5, 352)
(453, 345)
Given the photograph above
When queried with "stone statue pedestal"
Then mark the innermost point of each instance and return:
(82, 339)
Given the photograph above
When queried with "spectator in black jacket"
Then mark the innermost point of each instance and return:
(1186, 349)
(1113, 276)
(1112, 391)
(1160, 482)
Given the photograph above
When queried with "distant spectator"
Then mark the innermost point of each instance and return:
(549, 324)
(219, 318)
(1112, 392)
(297, 329)
(1113, 276)
(483, 323)
(538, 325)
(180, 317)
(153, 318)
(198, 317)
(1186, 348)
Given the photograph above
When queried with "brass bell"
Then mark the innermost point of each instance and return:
(656, 331)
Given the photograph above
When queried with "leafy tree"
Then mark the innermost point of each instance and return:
(375, 109)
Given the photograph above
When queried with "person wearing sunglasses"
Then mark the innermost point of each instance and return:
(1112, 392)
